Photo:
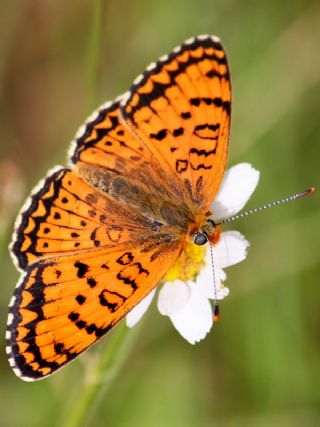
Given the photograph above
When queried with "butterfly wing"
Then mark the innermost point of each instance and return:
(174, 122)
(107, 142)
(89, 257)
(180, 109)
(64, 304)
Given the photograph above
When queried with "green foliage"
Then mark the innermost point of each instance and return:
(260, 365)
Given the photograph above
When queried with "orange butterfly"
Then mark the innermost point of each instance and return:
(94, 239)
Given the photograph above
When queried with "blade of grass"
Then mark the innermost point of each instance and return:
(104, 371)
(101, 376)
(94, 53)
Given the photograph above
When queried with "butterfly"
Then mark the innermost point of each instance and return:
(95, 238)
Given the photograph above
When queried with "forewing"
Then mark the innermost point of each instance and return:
(106, 142)
(64, 304)
(180, 109)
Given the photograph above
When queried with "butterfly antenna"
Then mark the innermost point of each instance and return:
(268, 205)
(216, 308)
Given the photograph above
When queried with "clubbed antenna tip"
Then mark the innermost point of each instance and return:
(216, 312)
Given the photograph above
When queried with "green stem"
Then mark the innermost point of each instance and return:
(94, 53)
(104, 371)
(101, 376)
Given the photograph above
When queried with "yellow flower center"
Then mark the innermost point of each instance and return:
(188, 265)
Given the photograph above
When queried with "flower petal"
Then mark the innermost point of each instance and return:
(231, 249)
(138, 311)
(238, 184)
(172, 297)
(204, 280)
(195, 319)
(207, 287)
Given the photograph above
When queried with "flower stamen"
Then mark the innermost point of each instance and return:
(188, 265)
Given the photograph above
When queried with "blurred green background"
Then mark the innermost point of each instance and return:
(260, 366)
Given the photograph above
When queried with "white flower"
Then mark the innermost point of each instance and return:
(188, 304)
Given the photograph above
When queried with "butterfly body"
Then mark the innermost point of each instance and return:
(95, 239)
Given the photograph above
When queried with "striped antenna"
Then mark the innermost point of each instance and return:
(216, 308)
(268, 205)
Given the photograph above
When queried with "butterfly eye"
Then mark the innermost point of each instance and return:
(200, 239)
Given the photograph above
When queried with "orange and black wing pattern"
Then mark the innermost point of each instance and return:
(107, 146)
(180, 109)
(105, 141)
(66, 303)
(88, 258)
